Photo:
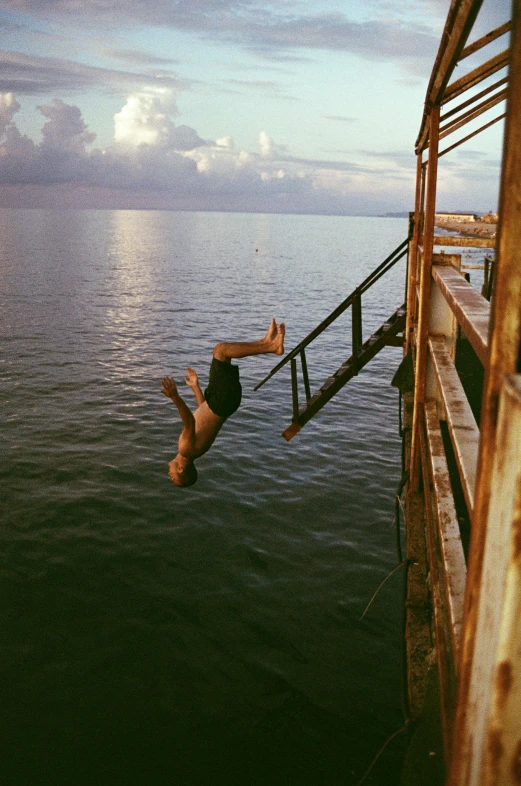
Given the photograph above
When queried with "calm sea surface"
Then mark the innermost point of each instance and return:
(211, 635)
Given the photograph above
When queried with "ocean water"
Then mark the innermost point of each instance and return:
(211, 635)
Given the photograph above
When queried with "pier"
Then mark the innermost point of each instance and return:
(461, 432)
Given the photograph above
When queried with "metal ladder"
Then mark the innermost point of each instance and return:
(362, 352)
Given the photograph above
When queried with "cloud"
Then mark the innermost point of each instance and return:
(261, 87)
(155, 163)
(271, 30)
(136, 58)
(146, 119)
(32, 75)
(268, 148)
(340, 118)
(8, 108)
(65, 129)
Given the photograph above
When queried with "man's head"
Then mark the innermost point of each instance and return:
(182, 471)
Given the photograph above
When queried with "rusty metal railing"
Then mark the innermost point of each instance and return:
(476, 614)
(355, 301)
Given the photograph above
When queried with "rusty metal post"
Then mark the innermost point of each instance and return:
(468, 766)
(424, 302)
(305, 373)
(413, 260)
(294, 389)
(356, 327)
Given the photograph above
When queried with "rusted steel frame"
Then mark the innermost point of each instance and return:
(460, 20)
(470, 101)
(486, 39)
(371, 279)
(492, 743)
(474, 133)
(463, 429)
(505, 334)
(466, 242)
(476, 76)
(458, 122)
(424, 298)
(469, 307)
(453, 567)
(305, 373)
(503, 722)
(444, 655)
(294, 389)
(356, 328)
(412, 271)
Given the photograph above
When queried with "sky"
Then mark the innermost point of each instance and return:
(299, 106)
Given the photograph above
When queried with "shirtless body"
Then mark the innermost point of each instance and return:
(221, 398)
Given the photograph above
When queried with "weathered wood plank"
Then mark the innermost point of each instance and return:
(465, 242)
(463, 429)
(471, 309)
(446, 667)
(489, 514)
(453, 568)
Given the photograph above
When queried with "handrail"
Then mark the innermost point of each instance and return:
(371, 279)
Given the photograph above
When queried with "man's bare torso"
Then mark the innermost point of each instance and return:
(207, 426)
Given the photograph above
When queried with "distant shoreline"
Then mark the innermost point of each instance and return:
(469, 228)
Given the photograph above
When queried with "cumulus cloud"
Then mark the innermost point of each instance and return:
(269, 149)
(170, 165)
(65, 129)
(146, 119)
(8, 108)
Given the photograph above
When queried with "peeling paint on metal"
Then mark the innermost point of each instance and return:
(504, 680)
(516, 764)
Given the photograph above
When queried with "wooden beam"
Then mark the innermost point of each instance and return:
(486, 39)
(445, 661)
(505, 336)
(424, 300)
(469, 136)
(465, 242)
(490, 755)
(471, 114)
(463, 429)
(412, 259)
(470, 309)
(453, 568)
(476, 76)
(460, 20)
(473, 99)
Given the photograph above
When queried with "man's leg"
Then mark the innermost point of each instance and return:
(272, 343)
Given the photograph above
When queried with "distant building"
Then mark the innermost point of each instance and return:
(456, 217)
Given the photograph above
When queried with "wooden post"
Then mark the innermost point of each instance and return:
(356, 327)
(294, 389)
(472, 763)
(413, 261)
(305, 373)
(424, 304)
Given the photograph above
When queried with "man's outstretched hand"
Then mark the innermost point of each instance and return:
(169, 388)
(191, 379)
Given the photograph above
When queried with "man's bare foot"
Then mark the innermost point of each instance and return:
(279, 339)
(272, 331)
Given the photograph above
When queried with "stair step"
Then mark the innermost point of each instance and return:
(385, 334)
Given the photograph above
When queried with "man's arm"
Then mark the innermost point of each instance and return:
(192, 381)
(187, 438)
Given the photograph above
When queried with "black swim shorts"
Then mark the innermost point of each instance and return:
(224, 391)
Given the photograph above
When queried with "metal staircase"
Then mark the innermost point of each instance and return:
(361, 353)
